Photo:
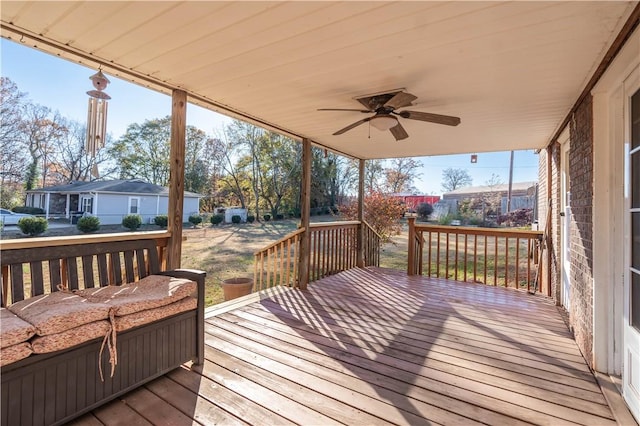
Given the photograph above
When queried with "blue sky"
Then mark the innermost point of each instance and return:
(62, 85)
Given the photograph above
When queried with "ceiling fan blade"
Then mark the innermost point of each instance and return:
(351, 126)
(432, 118)
(399, 132)
(401, 99)
(344, 109)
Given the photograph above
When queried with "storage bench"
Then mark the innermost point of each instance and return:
(53, 388)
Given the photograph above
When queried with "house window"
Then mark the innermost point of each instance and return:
(86, 204)
(134, 205)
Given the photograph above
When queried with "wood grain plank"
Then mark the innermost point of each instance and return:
(376, 401)
(227, 399)
(119, 413)
(298, 386)
(437, 352)
(452, 385)
(191, 404)
(87, 271)
(154, 409)
(248, 390)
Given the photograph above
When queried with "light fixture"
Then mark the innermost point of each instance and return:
(474, 158)
(383, 121)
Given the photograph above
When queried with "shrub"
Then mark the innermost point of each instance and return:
(216, 219)
(195, 220)
(381, 212)
(294, 212)
(424, 210)
(251, 218)
(88, 224)
(520, 217)
(267, 217)
(162, 220)
(236, 218)
(33, 225)
(445, 220)
(27, 210)
(132, 221)
(279, 216)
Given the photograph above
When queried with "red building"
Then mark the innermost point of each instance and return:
(412, 201)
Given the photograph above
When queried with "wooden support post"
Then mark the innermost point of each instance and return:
(547, 225)
(305, 207)
(360, 236)
(176, 177)
(411, 252)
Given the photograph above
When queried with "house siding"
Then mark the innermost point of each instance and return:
(581, 238)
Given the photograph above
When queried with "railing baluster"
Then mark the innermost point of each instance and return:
(506, 262)
(465, 256)
(495, 260)
(517, 262)
(429, 256)
(438, 257)
(456, 258)
(475, 258)
(529, 255)
(485, 261)
(446, 269)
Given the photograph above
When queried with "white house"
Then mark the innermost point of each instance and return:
(109, 200)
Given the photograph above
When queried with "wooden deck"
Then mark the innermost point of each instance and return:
(377, 347)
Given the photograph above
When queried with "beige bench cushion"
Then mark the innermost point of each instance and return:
(150, 315)
(13, 330)
(15, 353)
(148, 293)
(56, 312)
(70, 338)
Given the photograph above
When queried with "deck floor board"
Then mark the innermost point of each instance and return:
(374, 346)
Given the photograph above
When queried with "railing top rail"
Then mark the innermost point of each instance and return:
(521, 233)
(67, 240)
(281, 240)
(334, 224)
(371, 228)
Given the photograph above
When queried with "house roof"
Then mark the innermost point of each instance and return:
(510, 70)
(133, 186)
(516, 186)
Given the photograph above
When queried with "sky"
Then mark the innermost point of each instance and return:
(62, 85)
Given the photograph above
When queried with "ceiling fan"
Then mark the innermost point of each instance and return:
(385, 116)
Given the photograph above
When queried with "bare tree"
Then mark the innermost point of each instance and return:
(453, 179)
(13, 151)
(373, 170)
(70, 161)
(401, 174)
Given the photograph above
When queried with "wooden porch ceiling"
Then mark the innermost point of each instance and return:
(510, 70)
(378, 347)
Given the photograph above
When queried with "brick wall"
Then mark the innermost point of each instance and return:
(581, 174)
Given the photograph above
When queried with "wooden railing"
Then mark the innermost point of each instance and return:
(277, 263)
(54, 261)
(333, 248)
(505, 257)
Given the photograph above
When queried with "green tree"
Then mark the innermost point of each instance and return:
(279, 169)
(143, 153)
(453, 179)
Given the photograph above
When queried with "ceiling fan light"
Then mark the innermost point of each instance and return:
(384, 122)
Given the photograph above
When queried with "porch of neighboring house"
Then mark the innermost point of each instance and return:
(373, 346)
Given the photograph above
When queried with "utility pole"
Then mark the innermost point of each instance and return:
(510, 183)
